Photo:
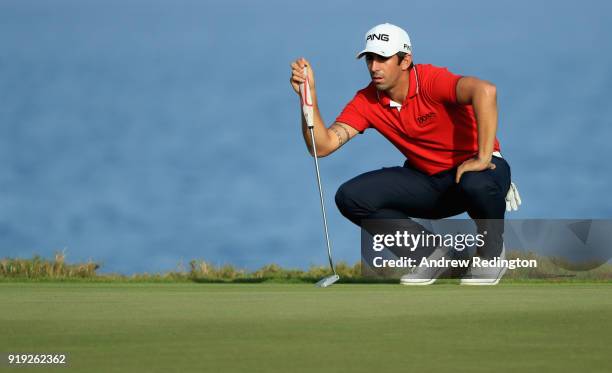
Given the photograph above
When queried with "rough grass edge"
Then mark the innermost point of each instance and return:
(38, 269)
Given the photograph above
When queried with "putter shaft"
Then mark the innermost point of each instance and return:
(316, 161)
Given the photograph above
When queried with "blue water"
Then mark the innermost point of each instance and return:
(143, 134)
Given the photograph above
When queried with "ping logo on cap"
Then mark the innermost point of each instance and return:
(383, 37)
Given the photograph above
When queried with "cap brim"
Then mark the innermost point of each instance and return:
(375, 51)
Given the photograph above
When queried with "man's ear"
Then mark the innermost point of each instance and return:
(406, 62)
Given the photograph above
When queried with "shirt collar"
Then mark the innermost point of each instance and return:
(394, 104)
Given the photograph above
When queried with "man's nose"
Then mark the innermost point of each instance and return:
(374, 66)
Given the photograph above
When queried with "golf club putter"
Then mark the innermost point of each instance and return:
(308, 110)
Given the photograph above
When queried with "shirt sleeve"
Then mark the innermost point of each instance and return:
(442, 86)
(353, 115)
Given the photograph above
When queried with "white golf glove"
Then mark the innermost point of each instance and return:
(513, 199)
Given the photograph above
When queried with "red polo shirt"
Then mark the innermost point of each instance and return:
(432, 130)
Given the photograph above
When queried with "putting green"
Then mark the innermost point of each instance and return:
(299, 328)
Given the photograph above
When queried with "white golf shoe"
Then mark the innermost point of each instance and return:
(426, 275)
(480, 275)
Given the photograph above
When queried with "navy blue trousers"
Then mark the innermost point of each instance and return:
(404, 193)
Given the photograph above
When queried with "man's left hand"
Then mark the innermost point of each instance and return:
(473, 164)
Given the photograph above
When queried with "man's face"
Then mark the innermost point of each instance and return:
(385, 71)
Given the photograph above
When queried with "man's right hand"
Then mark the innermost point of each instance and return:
(328, 139)
(297, 76)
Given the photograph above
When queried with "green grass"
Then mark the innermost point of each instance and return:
(298, 328)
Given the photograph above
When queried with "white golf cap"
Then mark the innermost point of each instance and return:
(386, 40)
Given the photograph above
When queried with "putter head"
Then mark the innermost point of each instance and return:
(327, 281)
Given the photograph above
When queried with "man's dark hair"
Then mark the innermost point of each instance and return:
(401, 56)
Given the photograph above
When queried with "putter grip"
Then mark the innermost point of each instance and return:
(306, 97)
